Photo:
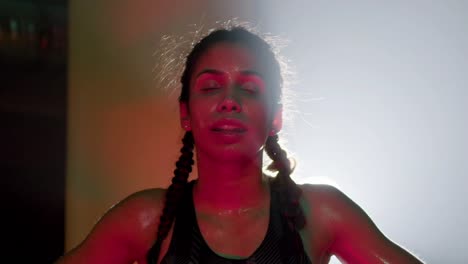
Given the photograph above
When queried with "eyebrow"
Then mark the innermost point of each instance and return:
(251, 72)
(212, 71)
(218, 72)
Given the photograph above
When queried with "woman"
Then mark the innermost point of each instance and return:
(230, 109)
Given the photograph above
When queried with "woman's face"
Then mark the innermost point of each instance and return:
(228, 111)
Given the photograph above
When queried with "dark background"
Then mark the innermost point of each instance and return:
(33, 122)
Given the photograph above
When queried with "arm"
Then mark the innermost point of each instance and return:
(354, 237)
(124, 234)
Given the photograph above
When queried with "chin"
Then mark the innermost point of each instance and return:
(230, 153)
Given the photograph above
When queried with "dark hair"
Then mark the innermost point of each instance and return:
(282, 183)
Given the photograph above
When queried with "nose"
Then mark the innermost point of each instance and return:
(229, 104)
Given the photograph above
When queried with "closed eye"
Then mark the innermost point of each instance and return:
(209, 85)
(208, 89)
(250, 87)
(251, 83)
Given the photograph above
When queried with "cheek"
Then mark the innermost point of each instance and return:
(200, 112)
(258, 116)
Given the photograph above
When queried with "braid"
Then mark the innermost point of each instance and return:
(173, 196)
(283, 184)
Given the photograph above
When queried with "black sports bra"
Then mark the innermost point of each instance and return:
(280, 245)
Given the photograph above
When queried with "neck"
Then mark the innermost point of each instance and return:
(231, 186)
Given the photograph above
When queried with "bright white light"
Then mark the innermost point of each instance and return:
(390, 124)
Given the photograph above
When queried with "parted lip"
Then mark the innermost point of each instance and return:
(228, 124)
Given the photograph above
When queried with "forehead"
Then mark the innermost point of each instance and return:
(227, 57)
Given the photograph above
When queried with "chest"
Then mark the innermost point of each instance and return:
(234, 236)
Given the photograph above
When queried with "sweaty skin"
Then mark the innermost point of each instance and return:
(231, 118)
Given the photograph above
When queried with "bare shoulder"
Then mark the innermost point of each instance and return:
(127, 230)
(318, 189)
(147, 202)
(354, 238)
(317, 203)
(136, 209)
(323, 192)
(325, 207)
(134, 219)
(326, 202)
(331, 202)
(335, 211)
(141, 210)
